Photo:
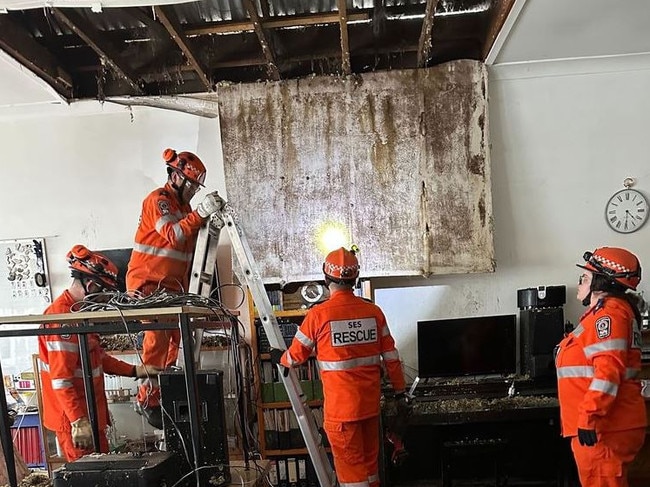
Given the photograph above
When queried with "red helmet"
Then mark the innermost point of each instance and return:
(188, 164)
(93, 265)
(341, 265)
(620, 265)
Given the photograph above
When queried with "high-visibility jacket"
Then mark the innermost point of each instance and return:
(62, 388)
(597, 365)
(350, 337)
(164, 243)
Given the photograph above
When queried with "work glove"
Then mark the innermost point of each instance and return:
(210, 204)
(276, 359)
(587, 437)
(82, 434)
(404, 404)
(143, 371)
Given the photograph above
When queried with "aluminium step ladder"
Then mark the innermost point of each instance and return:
(202, 278)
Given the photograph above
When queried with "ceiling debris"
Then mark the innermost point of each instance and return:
(104, 49)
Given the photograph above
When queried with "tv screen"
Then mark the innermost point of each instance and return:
(484, 345)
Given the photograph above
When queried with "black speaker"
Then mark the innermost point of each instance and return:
(541, 297)
(212, 421)
(540, 329)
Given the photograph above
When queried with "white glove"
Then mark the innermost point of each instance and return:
(143, 371)
(82, 434)
(210, 204)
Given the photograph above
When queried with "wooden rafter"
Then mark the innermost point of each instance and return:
(345, 45)
(288, 61)
(278, 23)
(169, 19)
(267, 49)
(500, 13)
(424, 45)
(91, 36)
(20, 45)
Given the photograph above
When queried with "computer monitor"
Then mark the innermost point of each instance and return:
(477, 346)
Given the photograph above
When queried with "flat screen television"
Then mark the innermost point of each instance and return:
(477, 346)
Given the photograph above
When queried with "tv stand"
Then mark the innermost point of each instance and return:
(483, 439)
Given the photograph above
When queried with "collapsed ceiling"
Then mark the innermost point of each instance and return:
(186, 48)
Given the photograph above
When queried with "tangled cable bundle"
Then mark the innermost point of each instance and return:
(115, 300)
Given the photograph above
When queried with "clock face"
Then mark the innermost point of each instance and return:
(312, 292)
(626, 211)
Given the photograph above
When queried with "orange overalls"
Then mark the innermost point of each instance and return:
(596, 368)
(62, 387)
(350, 337)
(161, 258)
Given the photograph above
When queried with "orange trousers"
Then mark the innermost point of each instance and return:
(355, 448)
(606, 463)
(160, 349)
(71, 453)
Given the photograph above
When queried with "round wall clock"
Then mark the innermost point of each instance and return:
(312, 292)
(626, 211)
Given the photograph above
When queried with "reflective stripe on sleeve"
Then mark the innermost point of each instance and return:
(305, 340)
(178, 230)
(390, 355)
(604, 386)
(62, 383)
(618, 344)
(158, 252)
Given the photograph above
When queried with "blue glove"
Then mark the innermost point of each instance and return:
(587, 437)
(276, 359)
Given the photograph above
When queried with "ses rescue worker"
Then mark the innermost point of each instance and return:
(62, 386)
(601, 406)
(350, 337)
(162, 258)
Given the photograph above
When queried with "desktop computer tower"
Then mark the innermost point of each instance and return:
(541, 329)
(212, 421)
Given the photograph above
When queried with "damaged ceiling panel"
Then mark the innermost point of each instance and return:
(191, 47)
(399, 159)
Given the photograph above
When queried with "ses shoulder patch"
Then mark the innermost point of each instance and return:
(603, 327)
(163, 206)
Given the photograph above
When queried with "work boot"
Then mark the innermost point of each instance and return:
(153, 415)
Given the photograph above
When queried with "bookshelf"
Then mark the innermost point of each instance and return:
(279, 435)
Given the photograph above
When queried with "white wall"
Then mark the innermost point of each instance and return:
(79, 174)
(564, 136)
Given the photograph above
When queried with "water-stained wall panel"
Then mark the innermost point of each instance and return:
(399, 157)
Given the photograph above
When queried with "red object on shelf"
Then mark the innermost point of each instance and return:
(27, 440)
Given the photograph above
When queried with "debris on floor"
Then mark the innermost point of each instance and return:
(34, 480)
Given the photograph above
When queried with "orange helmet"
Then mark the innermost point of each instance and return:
(188, 164)
(341, 265)
(620, 265)
(86, 263)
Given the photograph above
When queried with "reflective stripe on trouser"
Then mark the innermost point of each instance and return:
(606, 463)
(71, 453)
(160, 349)
(355, 448)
